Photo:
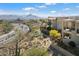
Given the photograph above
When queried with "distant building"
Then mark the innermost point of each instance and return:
(77, 26)
(69, 24)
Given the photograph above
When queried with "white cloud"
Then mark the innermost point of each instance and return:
(53, 11)
(42, 6)
(47, 3)
(50, 3)
(67, 9)
(30, 9)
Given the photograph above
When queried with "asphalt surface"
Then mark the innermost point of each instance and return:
(60, 51)
(6, 38)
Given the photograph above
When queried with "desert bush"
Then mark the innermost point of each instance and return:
(54, 33)
(36, 52)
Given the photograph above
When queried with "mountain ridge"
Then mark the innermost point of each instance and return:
(15, 17)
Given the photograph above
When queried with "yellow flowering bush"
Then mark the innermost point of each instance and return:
(54, 33)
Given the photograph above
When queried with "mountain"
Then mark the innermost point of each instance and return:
(8, 17)
(30, 16)
(14, 17)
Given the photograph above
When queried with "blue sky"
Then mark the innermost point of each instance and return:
(40, 9)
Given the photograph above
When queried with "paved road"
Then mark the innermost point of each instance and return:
(21, 27)
(60, 51)
(74, 37)
(11, 35)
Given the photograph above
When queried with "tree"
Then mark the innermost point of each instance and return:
(49, 25)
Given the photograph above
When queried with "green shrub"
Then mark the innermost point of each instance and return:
(36, 52)
(7, 26)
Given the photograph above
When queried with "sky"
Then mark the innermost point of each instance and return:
(40, 9)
